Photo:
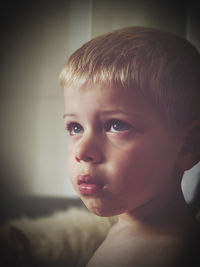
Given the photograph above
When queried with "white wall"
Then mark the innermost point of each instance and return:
(38, 41)
(114, 14)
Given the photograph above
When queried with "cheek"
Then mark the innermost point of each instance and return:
(71, 161)
(123, 162)
(141, 160)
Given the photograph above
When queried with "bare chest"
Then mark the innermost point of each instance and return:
(121, 249)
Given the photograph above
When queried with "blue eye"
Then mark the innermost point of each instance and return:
(74, 128)
(117, 126)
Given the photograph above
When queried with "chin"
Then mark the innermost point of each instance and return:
(94, 206)
(99, 208)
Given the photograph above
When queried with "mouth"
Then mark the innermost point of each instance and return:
(88, 185)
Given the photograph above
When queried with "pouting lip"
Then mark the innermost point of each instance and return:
(88, 179)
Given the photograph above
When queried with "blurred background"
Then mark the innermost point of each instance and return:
(36, 39)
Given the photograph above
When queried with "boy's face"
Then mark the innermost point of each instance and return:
(120, 155)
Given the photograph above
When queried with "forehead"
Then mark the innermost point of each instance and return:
(104, 96)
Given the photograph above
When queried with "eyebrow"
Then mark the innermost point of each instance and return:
(110, 112)
(69, 115)
(113, 111)
(104, 112)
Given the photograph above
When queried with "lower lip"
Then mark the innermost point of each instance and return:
(90, 189)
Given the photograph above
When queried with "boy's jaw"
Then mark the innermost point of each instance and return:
(168, 205)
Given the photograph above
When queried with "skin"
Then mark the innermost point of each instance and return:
(117, 139)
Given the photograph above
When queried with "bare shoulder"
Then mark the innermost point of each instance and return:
(149, 250)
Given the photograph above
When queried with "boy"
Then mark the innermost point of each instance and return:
(132, 110)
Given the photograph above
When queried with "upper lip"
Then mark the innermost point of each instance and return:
(87, 178)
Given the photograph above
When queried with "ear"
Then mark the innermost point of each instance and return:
(189, 153)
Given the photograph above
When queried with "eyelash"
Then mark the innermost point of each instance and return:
(122, 126)
(70, 127)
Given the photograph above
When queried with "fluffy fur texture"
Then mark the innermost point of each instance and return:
(66, 238)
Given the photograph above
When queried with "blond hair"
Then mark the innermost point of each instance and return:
(161, 66)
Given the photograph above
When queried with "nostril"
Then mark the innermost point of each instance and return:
(89, 159)
(77, 159)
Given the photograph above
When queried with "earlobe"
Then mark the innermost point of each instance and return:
(189, 154)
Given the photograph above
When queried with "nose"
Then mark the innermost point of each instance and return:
(88, 149)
